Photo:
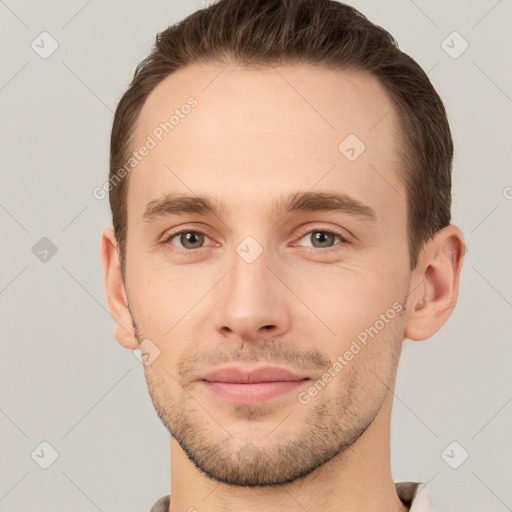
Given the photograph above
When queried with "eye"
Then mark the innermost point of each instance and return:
(322, 238)
(187, 239)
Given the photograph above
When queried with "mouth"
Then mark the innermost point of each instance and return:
(241, 386)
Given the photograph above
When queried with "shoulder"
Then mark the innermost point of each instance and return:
(415, 495)
(162, 505)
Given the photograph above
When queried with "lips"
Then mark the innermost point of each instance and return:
(255, 386)
(236, 375)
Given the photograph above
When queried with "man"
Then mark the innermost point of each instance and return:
(280, 185)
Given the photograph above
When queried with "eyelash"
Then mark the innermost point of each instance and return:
(343, 240)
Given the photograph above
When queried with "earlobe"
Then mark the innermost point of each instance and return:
(115, 291)
(435, 284)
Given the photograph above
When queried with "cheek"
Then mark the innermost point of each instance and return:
(344, 302)
(163, 295)
(165, 314)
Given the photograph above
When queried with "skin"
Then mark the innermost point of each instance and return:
(257, 135)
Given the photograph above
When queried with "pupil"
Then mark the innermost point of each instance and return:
(325, 239)
(190, 238)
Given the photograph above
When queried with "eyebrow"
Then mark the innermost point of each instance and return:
(177, 204)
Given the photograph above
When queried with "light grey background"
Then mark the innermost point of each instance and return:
(64, 378)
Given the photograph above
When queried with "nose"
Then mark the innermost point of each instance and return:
(251, 302)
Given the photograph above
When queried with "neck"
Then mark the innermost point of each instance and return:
(358, 480)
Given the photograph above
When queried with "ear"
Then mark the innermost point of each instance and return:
(115, 291)
(435, 284)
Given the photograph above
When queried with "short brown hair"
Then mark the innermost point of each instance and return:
(321, 32)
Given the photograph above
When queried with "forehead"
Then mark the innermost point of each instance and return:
(249, 134)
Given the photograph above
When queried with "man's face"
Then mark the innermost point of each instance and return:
(254, 284)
